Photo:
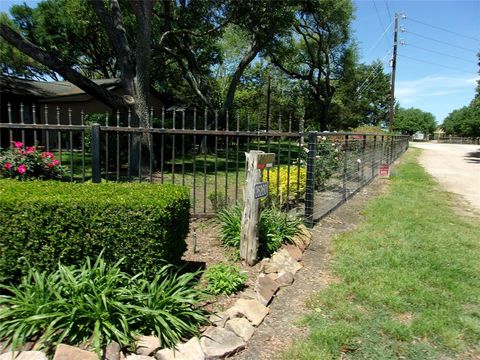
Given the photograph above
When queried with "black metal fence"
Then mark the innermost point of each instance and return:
(313, 172)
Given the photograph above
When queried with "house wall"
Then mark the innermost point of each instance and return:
(91, 106)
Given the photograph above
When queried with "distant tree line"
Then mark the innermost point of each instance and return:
(466, 120)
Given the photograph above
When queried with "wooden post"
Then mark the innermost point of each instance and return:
(251, 210)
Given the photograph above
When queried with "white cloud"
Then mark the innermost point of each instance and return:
(411, 91)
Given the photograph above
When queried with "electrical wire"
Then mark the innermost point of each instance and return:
(439, 41)
(378, 15)
(375, 72)
(443, 29)
(378, 40)
(432, 63)
(440, 53)
(388, 9)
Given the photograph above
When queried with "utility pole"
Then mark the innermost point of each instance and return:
(394, 67)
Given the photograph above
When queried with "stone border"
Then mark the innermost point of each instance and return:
(229, 330)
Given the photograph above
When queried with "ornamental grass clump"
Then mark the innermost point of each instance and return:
(275, 228)
(100, 303)
(23, 163)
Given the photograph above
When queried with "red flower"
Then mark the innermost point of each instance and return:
(18, 144)
(22, 169)
(47, 154)
(55, 162)
(8, 166)
(30, 149)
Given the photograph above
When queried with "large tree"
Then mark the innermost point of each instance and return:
(318, 50)
(131, 51)
(412, 120)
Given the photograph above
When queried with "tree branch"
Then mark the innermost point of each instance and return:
(55, 64)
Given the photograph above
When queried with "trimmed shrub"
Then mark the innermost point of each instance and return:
(100, 303)
(44, 222)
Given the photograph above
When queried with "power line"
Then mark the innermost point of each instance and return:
(440, 53)
(378, 15)
(439, 41)
(375, 71)
(432, 63)
(378, 40)
(443, 29)
(388, 9)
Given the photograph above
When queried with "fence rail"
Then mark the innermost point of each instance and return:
(313, 172)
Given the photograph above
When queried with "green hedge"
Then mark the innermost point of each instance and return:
(44, 222)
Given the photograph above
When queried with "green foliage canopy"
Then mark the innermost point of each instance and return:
(409, 121)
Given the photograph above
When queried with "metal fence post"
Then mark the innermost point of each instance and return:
(345, 167)
(96, 153)
(310, 188)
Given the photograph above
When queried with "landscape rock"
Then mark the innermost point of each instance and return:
(146, 345)
(67, 352)
(234, 312)
(266, 288)
(294, 252)
(219, 319)
(285, 279)
(191, 350)
(241, 327)
(24, 355)
(139, 357)
(254, 311)
(298, 241)
(285, 263)
(248, 294)
(218, 342)
(268, 267)
(112, 351)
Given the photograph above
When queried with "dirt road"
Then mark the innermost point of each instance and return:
(456, 167)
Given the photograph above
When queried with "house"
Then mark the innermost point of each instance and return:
(53, 99)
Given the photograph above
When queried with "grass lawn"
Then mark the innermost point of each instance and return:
(409, 280)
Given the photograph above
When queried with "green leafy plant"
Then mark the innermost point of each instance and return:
(224, 279)
(27, 163)
(43, 222)
(218, 200)
(102, 303)
(230, 220)
(275, 228)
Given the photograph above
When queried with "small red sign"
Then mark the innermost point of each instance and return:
(384, 170)
(261, 166)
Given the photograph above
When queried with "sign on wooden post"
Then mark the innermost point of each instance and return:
(253, 191)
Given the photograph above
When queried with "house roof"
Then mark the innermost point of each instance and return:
(48, 89)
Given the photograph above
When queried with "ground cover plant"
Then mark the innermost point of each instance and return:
(44, 222)
(100, 303)
(27, 163)
(224, 278)
(408, 280)
(275, 229)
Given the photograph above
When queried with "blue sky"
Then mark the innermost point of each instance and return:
(426, 77)
(432, 74)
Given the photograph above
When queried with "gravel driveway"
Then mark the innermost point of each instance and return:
(456, 167)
